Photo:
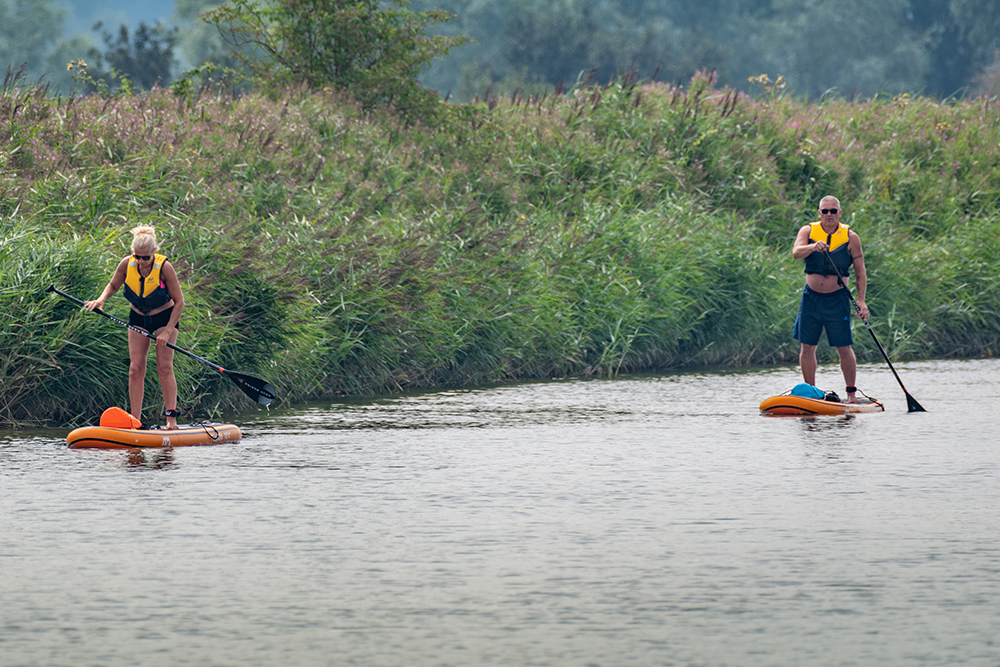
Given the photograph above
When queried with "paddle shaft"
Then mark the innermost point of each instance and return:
(911, 402)
(255, 388)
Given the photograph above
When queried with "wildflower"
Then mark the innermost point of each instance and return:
(770, 87)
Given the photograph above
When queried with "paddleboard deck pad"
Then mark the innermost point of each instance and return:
(104, 437)
(786, 404)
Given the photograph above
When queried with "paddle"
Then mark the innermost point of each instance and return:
(260, 391)
(911, 403)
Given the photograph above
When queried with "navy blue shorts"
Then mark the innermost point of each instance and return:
(830, 310)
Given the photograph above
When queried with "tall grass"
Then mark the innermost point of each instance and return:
(619, 228)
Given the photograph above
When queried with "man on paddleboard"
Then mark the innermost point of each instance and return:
(152, 288)
(828, 246)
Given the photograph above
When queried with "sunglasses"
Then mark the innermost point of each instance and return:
(142, 258)
(824, 211)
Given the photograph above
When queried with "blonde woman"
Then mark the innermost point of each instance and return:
(152, 289)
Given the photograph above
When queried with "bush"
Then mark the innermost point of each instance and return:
(374, 51)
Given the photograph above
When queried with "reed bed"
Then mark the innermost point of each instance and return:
(614, 229)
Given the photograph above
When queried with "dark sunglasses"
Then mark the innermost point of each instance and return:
(142, 258)
(824, 211)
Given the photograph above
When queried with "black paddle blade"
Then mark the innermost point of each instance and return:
(911, 403)
(255, 388)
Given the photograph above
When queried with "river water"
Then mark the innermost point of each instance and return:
(635, 521)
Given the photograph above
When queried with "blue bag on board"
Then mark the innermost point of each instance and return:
(808, 391)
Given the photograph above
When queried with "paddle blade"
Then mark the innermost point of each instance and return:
(260, 391)
(911, 403)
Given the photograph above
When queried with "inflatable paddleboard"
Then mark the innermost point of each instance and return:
(120, 430)
(103, 437)
(786, 404)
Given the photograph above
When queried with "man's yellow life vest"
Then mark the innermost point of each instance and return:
(840, 252)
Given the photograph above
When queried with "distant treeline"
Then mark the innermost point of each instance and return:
(846, 48)
(332, 249)
(841, 47)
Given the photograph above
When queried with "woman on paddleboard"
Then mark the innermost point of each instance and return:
(152, 289)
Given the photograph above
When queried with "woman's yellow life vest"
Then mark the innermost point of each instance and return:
(149, 293)
(840, 252)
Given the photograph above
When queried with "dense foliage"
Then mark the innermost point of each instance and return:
(374, 51)
(619, 228)
(142, 59)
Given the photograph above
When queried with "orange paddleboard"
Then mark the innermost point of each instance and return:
(787, 404)
(102, 437)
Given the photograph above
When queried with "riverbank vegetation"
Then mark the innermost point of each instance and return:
(611, 229)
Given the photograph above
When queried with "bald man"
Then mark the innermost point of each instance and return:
(825, 303)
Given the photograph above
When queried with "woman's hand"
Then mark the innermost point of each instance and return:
(96, 304)
(163, 337)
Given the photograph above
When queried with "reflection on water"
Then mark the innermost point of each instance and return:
(813, 424)
(154, 459)
(638, 521)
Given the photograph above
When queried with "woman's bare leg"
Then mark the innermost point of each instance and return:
(138, 350)
(168, 381)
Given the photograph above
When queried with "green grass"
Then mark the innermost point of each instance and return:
(626, 228)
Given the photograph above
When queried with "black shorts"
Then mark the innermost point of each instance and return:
(151, 322)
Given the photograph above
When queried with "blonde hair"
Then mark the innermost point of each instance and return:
(144, 238)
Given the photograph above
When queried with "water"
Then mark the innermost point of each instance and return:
(638, 521)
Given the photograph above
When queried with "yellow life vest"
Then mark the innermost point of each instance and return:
(840, 252)
(149, 293)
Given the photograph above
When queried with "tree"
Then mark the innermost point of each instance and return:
(846, 47)
(950, 57)
(198, 41)
(565, 39)
(29, 30)
(145, 58)
(980, 24)
(979, 21)
(375, 52)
